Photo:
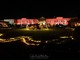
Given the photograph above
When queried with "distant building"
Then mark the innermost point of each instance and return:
(25, 21)
(57, 20)
(42, 20)
(10, 21)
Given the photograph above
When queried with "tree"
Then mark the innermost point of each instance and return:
(73, 21)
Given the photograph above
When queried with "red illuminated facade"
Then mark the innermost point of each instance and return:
(51, 21)
(58, 20)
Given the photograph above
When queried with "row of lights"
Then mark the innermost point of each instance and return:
(20, 38)
(24, 40)
(67, 37)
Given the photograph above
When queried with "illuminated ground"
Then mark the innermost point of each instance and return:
(19, 49)
(44, 35)
(36, 34)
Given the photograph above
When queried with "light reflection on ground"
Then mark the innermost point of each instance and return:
(22, 38)
(67, 37)
(29, 41)
(45, 29)
(1, 34)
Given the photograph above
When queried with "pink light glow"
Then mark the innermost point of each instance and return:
(52, 21)
(35, 21)
(58, 20)
(59, 17)
(18, 21)
(23, 19)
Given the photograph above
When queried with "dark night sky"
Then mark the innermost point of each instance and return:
(37, 9)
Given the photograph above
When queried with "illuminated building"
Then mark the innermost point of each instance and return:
(25, 21)
(41, 21)
(58, 20)
(10, 21)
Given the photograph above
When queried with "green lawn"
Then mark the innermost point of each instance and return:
(36, 34)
